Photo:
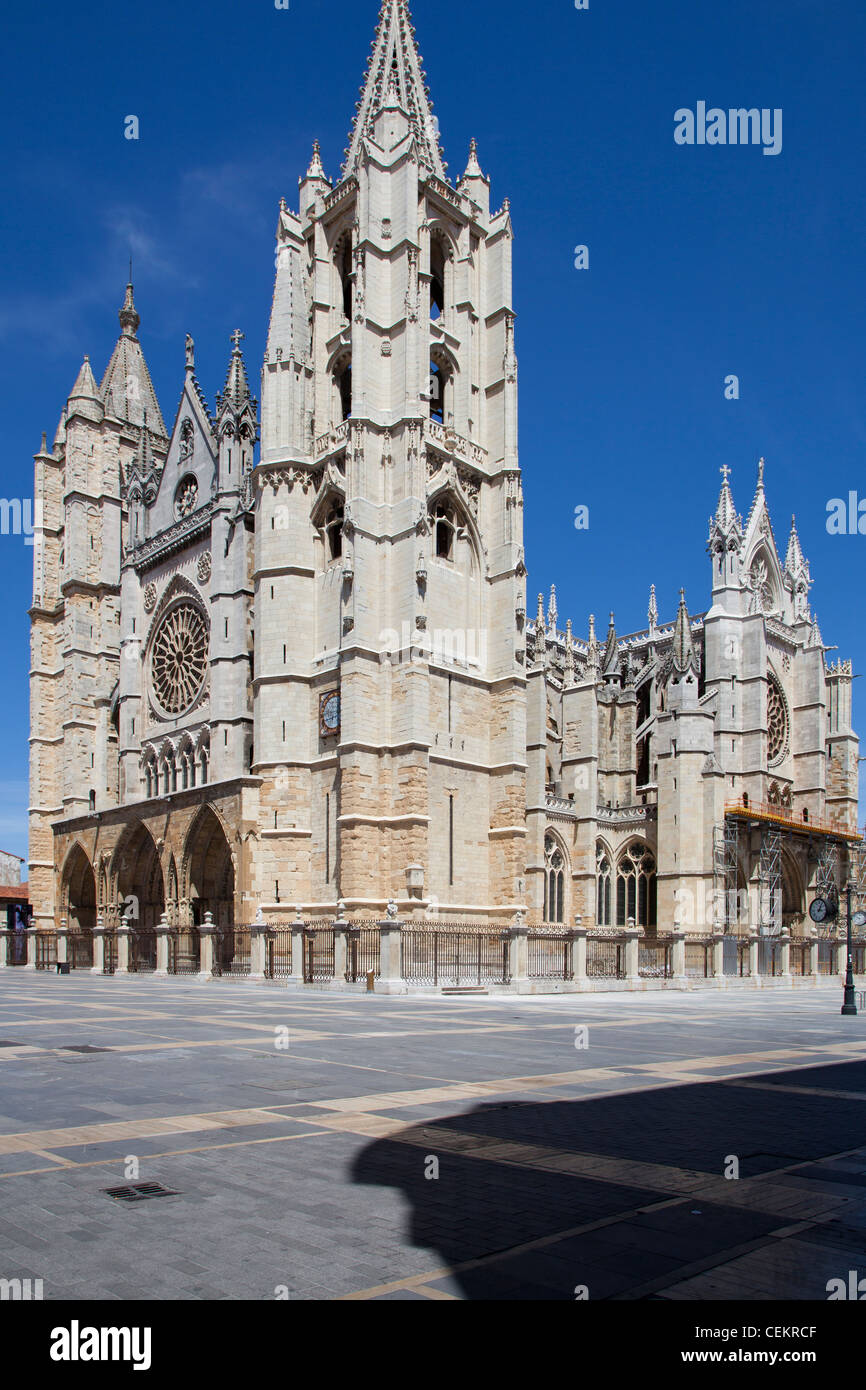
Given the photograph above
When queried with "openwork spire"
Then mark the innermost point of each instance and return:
(795, 560)
(395, 76)
(237, 391)
(726, 523)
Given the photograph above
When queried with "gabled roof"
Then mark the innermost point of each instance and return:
(395, 77)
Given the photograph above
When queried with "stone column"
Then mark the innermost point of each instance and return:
(98, 966)
(30, 938)
(207, 932)
(579, 937)
(518, 955)
(259, 933)
(5, 937)
(811, 936)
(163, 931)
(785, 941)
(632, 957)
(122, 934)
(718, 958)
(341, 951)
(297, 975)
(679, 978)
(62, 942)
(390, 970)
(754, 973)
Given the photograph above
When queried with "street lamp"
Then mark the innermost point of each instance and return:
(849, 1006)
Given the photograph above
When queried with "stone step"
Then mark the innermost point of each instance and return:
(464, 989)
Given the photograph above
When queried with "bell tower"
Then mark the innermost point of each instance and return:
(390, 566)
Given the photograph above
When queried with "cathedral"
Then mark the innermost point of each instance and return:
(283, 659)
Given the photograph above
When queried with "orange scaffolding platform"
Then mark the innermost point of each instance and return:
(769, 814)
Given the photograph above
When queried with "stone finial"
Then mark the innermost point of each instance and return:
(129, 318)
(190, 353)
(391, 910)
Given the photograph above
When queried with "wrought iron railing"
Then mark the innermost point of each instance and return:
(655, 960)
(699, 957)
(549, 954)
(362, 953)
(318, 953)
(79, 950)
(605, 956)
(278, 953)
(142, 950)
(46, 950)
(231, 951)
(454, 957)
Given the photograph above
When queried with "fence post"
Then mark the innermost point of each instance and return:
(678, 960)
(632, 936)
(754, 965)
(258, 947)
(98, 966)
(785, 942)
(579, 936)
(718, 958)
(30, 939)
(518, 954)
(341, 951)
(810, 954)
(390, 979)
(206, 932)
(122, 967)
(297, 975)
(162, 934)
(62, 942)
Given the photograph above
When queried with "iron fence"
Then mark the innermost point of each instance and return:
(15, 948)
(278, 953)
(184, 951)
(79, 950)
(318, 954)
(46, 950)
(699, 957)
(454, 957)
(769, 957)
(549, 954)
(605, 957)
(799, 958)
(826, 951)
(362, 953)
(231, 951)
(142, 950)
(735, 956)
(655, 959)
(109, 953)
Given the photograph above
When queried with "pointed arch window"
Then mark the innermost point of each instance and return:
(441, 389)
(636, 887)
(444, 528)
(437, 278)
(344, 271)
(554, 880)
(603, 882)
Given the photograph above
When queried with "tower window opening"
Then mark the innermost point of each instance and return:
(334, 531)
(344, 386)
(445, 525)
(437, 392)
(344, 269)
(437, 279)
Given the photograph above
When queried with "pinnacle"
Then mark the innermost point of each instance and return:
(85, 384)
(129, 318)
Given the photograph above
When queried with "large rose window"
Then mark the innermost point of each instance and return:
(178, 661)
(777, 721)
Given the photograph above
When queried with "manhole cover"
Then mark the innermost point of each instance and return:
(140, 1192)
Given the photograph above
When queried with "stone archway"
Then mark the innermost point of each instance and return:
(78, 896)
(137, 879)
(209, 875)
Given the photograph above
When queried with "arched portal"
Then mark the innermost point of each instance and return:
(209, 872)
(78, 894)
(137, 879)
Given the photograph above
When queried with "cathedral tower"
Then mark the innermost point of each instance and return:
(389, 588)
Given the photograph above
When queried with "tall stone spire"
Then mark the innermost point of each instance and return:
(592, 652)
(569, 654)
(552, 613)
(726, 524)
(127, 390)
(394, 74)
(237, 391)
(683, 654)
(610, 663)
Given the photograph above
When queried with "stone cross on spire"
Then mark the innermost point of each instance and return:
(237, 337)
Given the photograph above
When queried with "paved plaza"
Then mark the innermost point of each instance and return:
(327, 1145)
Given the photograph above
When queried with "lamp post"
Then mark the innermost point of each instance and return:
(849, 1006)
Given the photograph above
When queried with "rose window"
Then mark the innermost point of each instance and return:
(777, 721)
(179, 658)
(186, 497)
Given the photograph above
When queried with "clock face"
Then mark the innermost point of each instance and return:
(859, 919)
(819, 910)
(329, 712)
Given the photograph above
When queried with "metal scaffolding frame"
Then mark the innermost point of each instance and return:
(770, 875)
(726, 851)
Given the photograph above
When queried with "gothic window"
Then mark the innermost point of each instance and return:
(444, 526)
(777, 721)
(204, 759)
(636, 887)
(334, 531)
(344, 270)
(762, 587)
(440, 389)
(603, 879)
(178, 660)
(554, 881)
(186, 497)
(437, 278)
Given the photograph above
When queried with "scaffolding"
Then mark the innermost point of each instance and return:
(726, 852)
(857, 871)
(770, 875)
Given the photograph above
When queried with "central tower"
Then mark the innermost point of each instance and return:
(390, 584)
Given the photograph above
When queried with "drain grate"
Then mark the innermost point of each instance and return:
(140, 1192)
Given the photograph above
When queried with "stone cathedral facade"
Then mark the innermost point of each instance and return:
(282, 659)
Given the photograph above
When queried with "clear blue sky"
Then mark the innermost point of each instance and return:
(703, 261)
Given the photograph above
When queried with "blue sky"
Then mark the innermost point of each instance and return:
(704, 261)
